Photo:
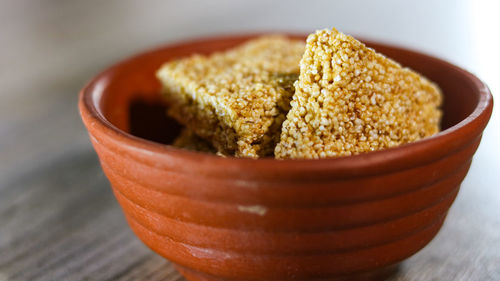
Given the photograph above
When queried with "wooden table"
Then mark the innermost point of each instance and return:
(58, 217)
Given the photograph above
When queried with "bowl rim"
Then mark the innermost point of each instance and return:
(371, 162)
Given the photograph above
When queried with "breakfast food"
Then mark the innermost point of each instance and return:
(190, 141)
(236, 99)
(349, 99)
(275, 96)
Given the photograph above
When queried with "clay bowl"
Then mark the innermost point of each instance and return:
(240, 219)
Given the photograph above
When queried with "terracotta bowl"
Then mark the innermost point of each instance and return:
(240, 219)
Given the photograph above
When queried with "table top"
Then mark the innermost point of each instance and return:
(58, 217)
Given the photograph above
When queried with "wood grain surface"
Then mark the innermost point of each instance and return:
(58, 217)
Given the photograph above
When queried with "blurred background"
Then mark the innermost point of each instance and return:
(50, 48)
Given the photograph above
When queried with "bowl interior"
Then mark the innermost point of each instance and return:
(130, 97)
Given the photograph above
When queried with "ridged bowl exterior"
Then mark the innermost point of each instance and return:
(240, 219)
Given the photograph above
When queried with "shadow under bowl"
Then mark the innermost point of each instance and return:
(241, 219)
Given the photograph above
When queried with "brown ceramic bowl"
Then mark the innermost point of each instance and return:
(241, 219)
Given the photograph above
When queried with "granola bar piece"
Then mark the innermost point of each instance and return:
(236, 99)
(350, 99)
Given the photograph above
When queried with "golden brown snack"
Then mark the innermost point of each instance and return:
(235, 99)
(350, 99)
(190, 141)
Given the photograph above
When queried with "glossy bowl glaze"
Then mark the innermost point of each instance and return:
(241, 219)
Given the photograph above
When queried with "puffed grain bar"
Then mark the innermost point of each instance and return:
(349, 99)
(236, 99)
